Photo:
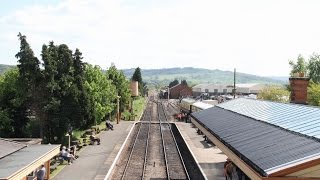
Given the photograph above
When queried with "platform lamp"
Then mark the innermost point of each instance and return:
(69, 134)
(134, 86)
(118, 109)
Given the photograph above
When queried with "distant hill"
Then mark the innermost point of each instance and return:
(281, 78)
(198, 75)
(4, 68)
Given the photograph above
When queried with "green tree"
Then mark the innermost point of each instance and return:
(274, 93)
(184, 82)
(13, 117)
(28, 66)
(29, 76)
(122, 86)
(173, 83)
(314, 67)
(137, 77)
(298, 67)
(314, 94)
(101, 90)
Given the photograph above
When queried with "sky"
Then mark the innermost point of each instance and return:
(255, 37)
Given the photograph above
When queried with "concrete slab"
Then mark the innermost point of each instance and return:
(95, 160)
(209, 157)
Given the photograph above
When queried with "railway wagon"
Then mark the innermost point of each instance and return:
(185, 105)
(199, 106)
(188, 106)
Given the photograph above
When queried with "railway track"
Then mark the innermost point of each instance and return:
(135, 166)
(154, 153)
(175, 165)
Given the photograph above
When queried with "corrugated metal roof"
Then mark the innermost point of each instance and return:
(265, 147)
(8, 147)
(22, 158)
(298, 118)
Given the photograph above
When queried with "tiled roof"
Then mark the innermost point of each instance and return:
(251, 129)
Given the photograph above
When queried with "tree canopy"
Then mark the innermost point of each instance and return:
(274, 93)
(173, 83)
(65, 91)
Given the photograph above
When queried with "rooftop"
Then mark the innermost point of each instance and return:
(265, 134)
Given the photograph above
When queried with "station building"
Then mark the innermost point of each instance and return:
(218, 89)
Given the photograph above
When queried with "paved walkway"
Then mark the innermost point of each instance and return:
(95, 160)
(209, 157)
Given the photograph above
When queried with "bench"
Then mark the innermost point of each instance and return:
(55, 162)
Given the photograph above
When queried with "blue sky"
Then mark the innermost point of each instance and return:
(256, 37)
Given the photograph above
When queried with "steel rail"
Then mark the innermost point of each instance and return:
(163, 145)
(146, 150)
(133, 147)
(185, 169)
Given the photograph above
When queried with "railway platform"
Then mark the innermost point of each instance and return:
(95, 160)
(209, 157)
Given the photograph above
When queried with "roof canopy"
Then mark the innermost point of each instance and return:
(264, 134)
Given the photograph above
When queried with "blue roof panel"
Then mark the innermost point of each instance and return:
(265, 147)
(297, 118)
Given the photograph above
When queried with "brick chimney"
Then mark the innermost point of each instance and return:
(299, 88)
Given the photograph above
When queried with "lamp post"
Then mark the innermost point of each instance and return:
(69, 134)
(168, 94)
(68, 140)
(118, 109)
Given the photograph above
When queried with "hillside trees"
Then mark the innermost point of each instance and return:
(64, 92)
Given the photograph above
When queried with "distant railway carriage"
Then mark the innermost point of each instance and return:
(199, 106)
(185, 105)
(188, 105)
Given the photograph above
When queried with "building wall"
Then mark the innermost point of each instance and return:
(180, 90)
(313, 172)
(218, 89)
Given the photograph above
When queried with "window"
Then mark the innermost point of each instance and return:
(206, 90)
(215, 90)
(224, 90)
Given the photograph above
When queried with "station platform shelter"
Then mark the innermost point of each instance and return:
(21, 161)
(264, 139)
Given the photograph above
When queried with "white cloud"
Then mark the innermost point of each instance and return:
(256, 37)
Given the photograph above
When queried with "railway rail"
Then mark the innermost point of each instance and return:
(154, 153)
